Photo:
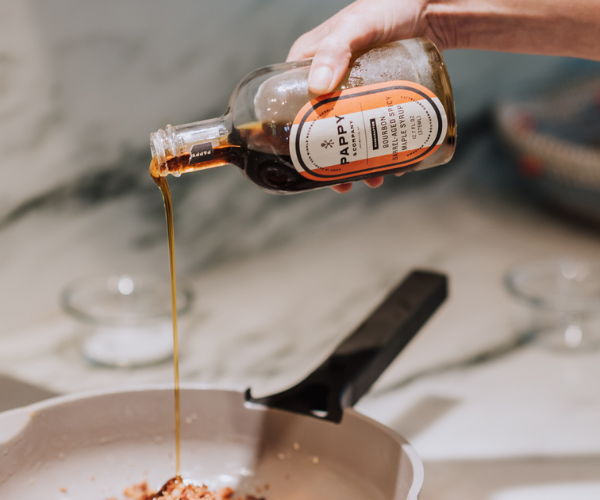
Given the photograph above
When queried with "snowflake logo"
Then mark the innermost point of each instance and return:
(327, 144)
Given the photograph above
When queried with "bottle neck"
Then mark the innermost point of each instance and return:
(174, 142)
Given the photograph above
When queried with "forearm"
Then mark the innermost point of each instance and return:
(551, 27)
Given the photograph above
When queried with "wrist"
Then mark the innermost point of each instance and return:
(550, 27)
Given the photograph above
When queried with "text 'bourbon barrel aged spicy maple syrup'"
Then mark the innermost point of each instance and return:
(393, 112)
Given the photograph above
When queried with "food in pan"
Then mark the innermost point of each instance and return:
(176, 489)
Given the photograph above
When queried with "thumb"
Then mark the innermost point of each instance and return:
(329, 64)
(358, 26)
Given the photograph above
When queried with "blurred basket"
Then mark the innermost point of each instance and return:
(556, 139)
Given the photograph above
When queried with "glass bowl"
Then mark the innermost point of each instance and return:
(564, 295)
(126, 319)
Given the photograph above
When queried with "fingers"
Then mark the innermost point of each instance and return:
(329, 63)
(345, 35)
(331, 48)
(360, 25)
(374, 182)
(342, 188)
(333, 42)
(306, 45)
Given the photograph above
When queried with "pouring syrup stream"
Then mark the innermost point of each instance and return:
(162, 184)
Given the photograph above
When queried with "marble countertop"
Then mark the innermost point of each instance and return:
(492, 417)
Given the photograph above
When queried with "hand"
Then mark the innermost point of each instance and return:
(360, 25)
(550, 27)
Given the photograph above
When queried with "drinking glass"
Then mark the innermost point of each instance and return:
(564, 295)
(126, 319)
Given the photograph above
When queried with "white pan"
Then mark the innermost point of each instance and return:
(304, 443)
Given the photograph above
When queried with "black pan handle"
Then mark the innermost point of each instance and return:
(342, 379)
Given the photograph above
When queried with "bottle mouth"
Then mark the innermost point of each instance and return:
(157, 146)
(163, 143)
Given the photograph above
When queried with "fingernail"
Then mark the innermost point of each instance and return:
(320, 78)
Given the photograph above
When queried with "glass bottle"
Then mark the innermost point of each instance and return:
(393, 112)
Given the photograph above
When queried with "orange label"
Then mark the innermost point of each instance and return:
(366, 129)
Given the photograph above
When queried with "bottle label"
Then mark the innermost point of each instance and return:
(201, 152)
(367, 129)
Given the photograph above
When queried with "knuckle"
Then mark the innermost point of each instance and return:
(305, 37)
(334, 45)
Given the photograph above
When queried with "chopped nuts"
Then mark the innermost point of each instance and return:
(175, 489)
